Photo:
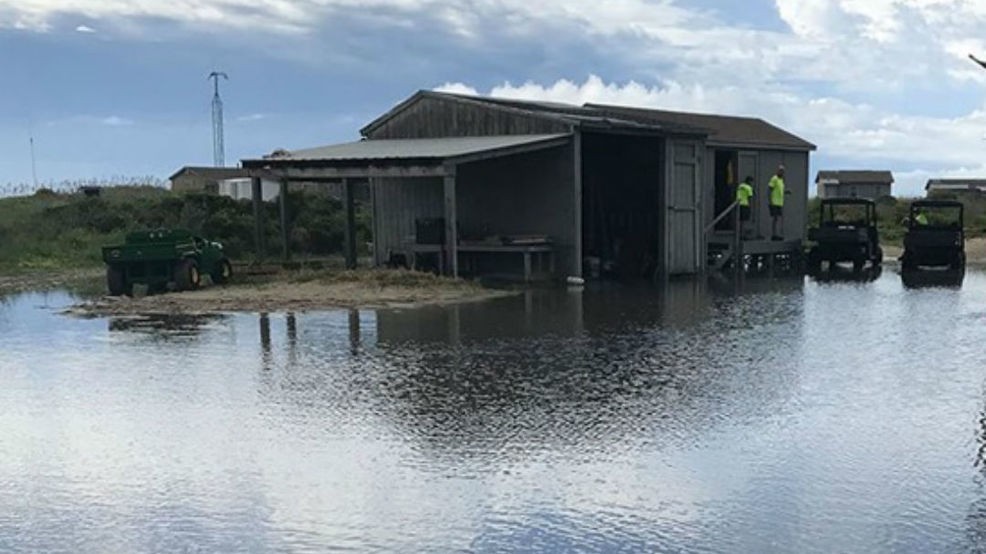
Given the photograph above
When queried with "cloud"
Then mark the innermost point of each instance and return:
(116, 121)
(251, 117)
(856, 135)
(85, 29)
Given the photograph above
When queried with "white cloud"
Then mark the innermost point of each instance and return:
(857, 135)
(85, 29)
(251, 117)
(116, 121)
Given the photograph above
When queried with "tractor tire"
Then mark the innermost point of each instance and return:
(223, 272)
(116, 282)
(187, 276)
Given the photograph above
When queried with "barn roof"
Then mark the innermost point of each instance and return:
(721, 129)
(855, 176)
(413, 149)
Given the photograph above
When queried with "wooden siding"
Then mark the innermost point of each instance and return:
(397, 203)
(430, 117)
(525, 194)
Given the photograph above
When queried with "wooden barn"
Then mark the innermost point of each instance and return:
(491, 186)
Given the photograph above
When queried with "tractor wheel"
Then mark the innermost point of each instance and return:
(223, 272)
(116, 282)
(187, 276)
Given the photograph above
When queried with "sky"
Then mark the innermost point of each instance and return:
(113, 88)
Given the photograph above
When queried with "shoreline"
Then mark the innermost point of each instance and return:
(298, 291)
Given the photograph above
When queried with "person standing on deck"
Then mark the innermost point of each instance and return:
(777, 193)
(744, 192)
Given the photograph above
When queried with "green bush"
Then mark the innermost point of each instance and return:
(52, 230)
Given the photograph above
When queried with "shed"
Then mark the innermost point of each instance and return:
(204, 179)
(956, 187)
(598, 186)
(854, 184)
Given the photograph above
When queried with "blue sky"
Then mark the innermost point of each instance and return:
(118, 87)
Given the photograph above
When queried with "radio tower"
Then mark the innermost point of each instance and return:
(218, 147)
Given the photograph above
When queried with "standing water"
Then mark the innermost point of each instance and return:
(781, 416)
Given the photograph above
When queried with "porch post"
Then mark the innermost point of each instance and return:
(577, 180)
(451, 222)
(285, 242)
(258, 217)
(350, 234)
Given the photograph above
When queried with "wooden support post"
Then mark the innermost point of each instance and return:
(349, 198)
(451, 223)
(285, 234)
(737, 240)
(576, 269)
(258, 218)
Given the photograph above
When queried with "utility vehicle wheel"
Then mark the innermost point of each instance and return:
(187, 276)
(223, 272)
(814, 261)
(116, 282)
(878, 256)
(958, 262)
(907, 263)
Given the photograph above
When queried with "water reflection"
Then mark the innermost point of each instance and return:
(729, 415)
(840, 274)
(931, 278)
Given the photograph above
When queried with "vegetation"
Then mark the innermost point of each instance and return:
(893, 212)
(51, 230)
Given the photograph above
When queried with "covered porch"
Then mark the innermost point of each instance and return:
(479, 205)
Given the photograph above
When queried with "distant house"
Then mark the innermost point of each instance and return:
(854, 184)
(204, 179)
(955, 186)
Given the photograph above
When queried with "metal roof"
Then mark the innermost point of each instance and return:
(213, 173)
(957, 184)
(723, 129)
(404, 149)
(855, 176)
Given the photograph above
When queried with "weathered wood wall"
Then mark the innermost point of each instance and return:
(438, 117)
(397, 204)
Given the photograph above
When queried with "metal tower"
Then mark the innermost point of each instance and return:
(218, 147)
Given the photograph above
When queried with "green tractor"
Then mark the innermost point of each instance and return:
(163, 257)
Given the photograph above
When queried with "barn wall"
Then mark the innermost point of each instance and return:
(397, 203)
(437, 118)
(525, 194)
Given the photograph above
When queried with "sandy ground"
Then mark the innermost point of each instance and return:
(975, 251)
(84, 279)
(288, 293)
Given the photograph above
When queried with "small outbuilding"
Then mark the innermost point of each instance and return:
(955, 187)
(867, 184)
(492, 186)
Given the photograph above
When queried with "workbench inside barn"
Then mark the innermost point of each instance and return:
(510, 258)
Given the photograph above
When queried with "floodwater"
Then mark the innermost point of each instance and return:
(767, 416)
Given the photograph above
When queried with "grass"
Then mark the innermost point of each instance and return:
(381, 278)
(52, 231)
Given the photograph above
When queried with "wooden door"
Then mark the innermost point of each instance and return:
(684, 195)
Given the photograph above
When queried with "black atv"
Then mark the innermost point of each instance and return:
(935, 236)
(846, 232)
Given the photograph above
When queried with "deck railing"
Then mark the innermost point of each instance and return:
(733, 210)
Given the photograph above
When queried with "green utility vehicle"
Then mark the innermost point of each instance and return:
(935, 236)
(846, 232)
(162, 257)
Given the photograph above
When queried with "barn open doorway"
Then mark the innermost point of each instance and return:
(622, 185)
(726, 179)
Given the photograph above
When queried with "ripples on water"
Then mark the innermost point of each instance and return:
(781, 416)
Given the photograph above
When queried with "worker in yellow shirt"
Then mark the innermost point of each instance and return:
(744, 192)
(777, 193)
